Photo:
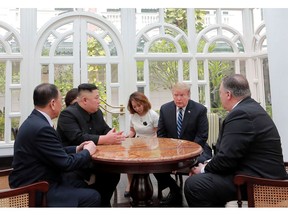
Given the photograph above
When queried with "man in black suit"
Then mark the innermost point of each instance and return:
(194, 127)
(39, 154)
(248, 144)
(84, 121)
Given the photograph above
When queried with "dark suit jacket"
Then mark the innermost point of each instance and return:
(194, 126)
(39, 154)
(248, 143)
(75, 125)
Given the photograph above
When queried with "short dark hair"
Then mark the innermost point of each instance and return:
(86, 87)
(139, 97)
(70, 96)
(44, 93)
(237, 84)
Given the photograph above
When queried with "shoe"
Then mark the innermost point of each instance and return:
(172, 200)
(127, 194)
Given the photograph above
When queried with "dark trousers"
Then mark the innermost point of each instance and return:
(66, 195)
(209, 190)
(105, 183)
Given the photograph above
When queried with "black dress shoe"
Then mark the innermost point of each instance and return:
(172, 200)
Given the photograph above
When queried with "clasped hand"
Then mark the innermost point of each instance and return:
(89, 145)
(197, 169)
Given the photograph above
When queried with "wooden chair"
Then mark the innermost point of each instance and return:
(21, 197)
(262, 192)
(4, 183)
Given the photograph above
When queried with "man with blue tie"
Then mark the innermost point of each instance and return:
(184, 119)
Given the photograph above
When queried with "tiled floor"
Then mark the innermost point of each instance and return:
(118, 199)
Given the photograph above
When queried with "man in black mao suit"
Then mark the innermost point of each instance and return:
(84, 121)
(194, 128)
(40, 156)
(248, 144)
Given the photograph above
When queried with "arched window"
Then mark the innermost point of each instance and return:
(10, 85)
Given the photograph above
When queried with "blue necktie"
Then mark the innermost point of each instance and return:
(179, 122)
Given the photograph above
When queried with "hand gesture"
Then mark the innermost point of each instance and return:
(112, 137)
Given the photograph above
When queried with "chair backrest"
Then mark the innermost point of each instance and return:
(4, 182)
(22, 196)
(214, 127)
(262, 192)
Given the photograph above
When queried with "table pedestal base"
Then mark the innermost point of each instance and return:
(141, 190)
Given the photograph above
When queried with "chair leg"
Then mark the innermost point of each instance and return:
(181, 180)
(159, 192)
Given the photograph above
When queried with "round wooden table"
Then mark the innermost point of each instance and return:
(141, 156)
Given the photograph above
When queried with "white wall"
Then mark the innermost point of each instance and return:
(276, 21)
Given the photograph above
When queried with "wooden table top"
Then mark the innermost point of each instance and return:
(147, 150)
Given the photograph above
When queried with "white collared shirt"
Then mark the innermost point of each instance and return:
(47, 117)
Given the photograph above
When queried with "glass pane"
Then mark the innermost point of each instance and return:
(65, 47)
(97, 75)
(240, 46)
(243, 68)
(47, 45)
(200, 70)
(140, 89)
(217, 70)
(220, 46)
(114, 73)
(186, 75)
(111, 45)
(44, 73)
(2, 49)
(201, 91)
(183, 45)
(267, 86)
(146, 16)
(159, 97)
(94, 47)
(63, 77)
(16, 72)
(264, 45)
(141, 44)
(162, 46)
(2, 99)
(13, 44)
(163, 74)
(201, 45)
(15, 123)
(115, 96)
(140, 71)
(15, 100)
